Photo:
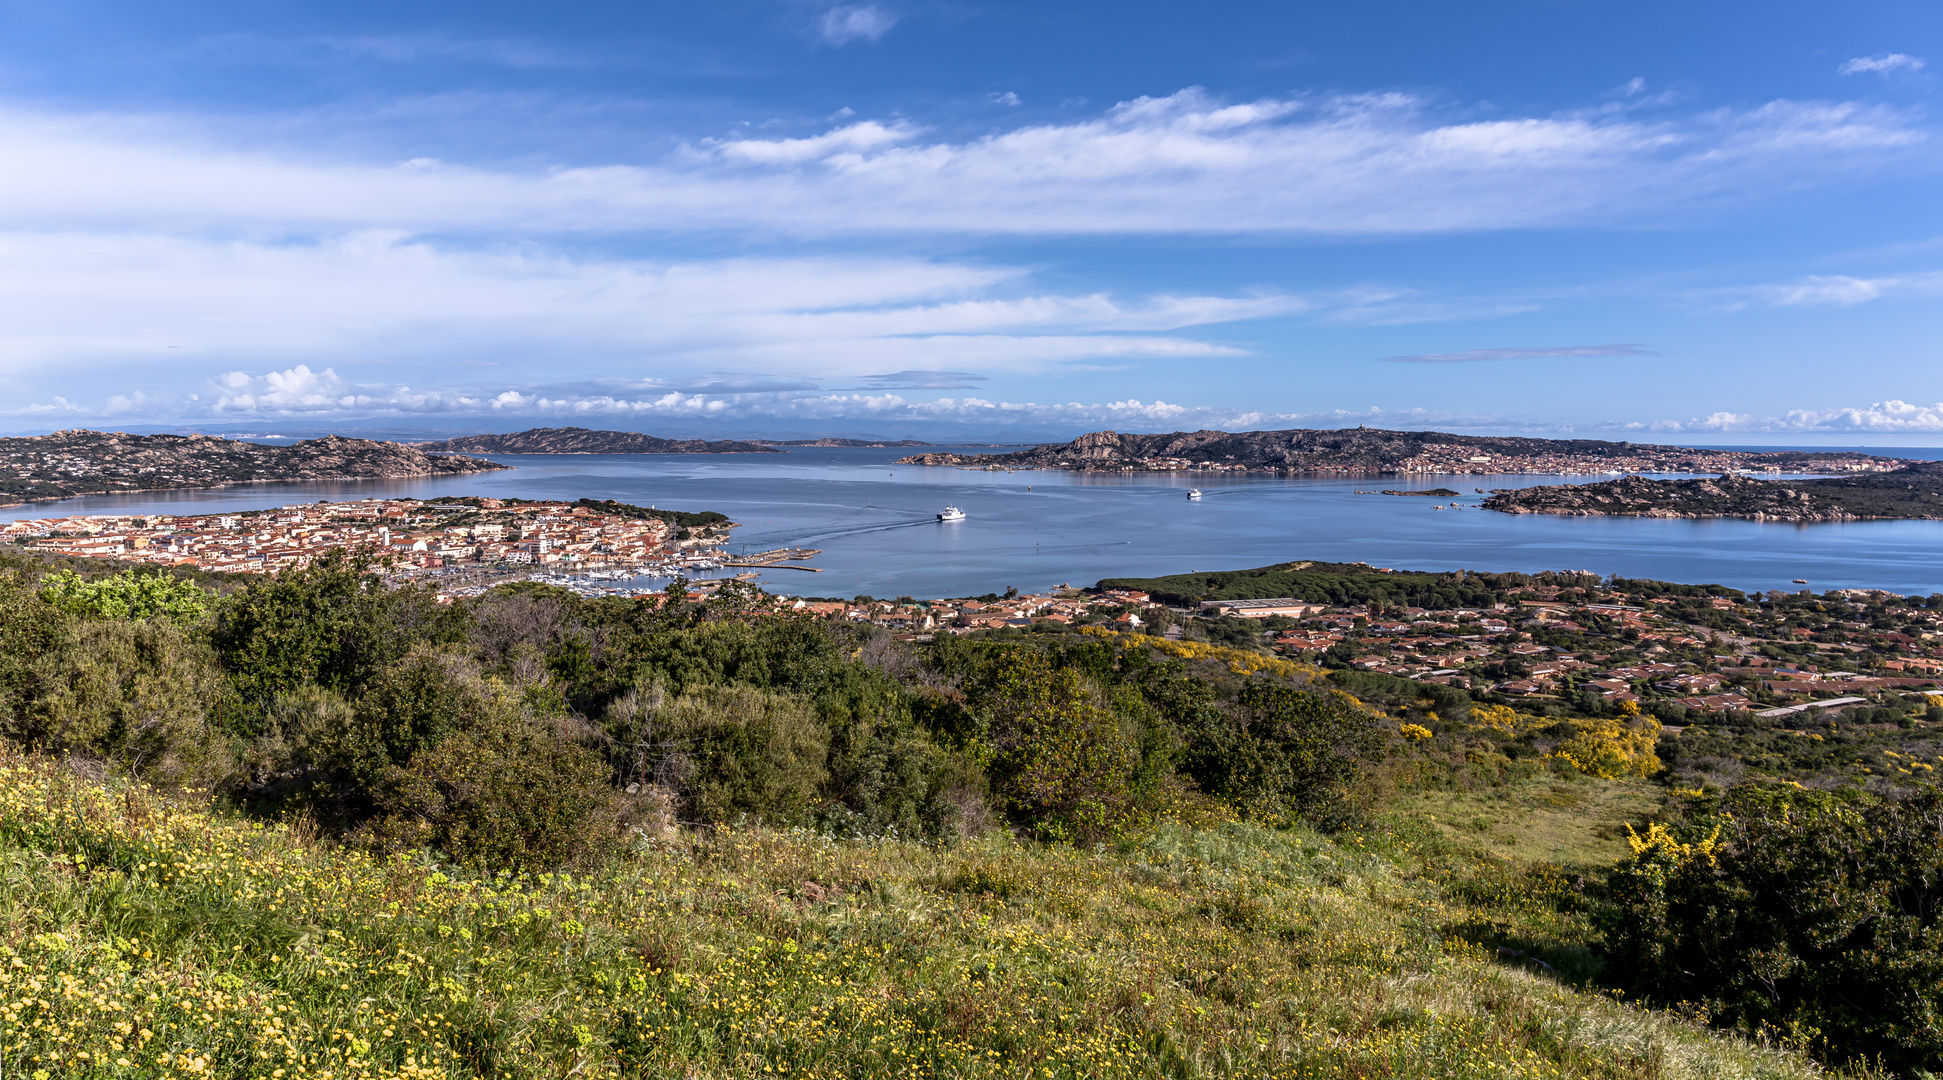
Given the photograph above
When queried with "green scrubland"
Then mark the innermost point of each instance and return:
(315, 827)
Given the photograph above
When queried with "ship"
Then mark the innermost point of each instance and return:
(951, 513)
(1194, 493)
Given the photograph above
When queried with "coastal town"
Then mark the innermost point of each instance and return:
(464, 542)
(1713, 651)
(1772, 655)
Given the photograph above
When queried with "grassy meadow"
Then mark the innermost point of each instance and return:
(149, 936)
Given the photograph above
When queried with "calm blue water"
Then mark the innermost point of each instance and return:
(1033, 530)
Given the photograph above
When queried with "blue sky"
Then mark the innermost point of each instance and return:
(1697, 223)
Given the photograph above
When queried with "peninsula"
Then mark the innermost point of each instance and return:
(579, 440)
(70, 463)
(1374, 452)
(1913, 491)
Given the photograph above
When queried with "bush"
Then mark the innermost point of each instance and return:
(508, 792)
(727, 752)
(1284, 753)
(1609, 746)
(332, 623)
(1795, 913)
(1062, 763)
(145, 696)
(126, 596)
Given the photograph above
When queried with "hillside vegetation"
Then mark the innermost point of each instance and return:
(321, 828)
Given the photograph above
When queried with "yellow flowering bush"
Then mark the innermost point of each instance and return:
(1414, 732)
(1240, 661)
(1612, 747)
(1499, 718)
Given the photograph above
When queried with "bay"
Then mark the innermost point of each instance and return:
(876, 523)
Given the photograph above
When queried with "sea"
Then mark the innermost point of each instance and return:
(876, 523)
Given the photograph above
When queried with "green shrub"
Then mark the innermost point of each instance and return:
(1062, 763)
(727, 752)
(332, 623)
(1283, 753)
(1799, 914)
(508, 792)
(126, 595)
(145, 696)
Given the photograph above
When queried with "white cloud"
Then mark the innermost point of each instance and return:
(1880, 65)
(1007, 98)
(1572, 352)
(300, 392)
(855, 22)
(1880, 418)
(1838, 290)
(855, 139)
(1183, 163)
(153, 307)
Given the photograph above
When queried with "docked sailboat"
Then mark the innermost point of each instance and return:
(951, 513)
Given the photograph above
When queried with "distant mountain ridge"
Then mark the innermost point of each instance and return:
(70, 463)
(842, 442)
(580, 440)
(1367, 451)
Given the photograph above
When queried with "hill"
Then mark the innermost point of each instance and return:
(1914, 491)
(1370, 451)
(168, 939)
(579, 440)
(70, 463)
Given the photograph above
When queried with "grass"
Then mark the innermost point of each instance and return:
(1565, 821)
(149, 937)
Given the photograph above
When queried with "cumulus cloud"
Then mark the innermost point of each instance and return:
(1880, 418)
(1470, 356)
(1880, 65)
(1187, 162)
(846, 23)
(301, 392)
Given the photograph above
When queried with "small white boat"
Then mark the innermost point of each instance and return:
(951, 513)
(1194, 493)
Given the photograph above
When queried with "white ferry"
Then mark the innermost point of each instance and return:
(1194, 493)
(951, 513)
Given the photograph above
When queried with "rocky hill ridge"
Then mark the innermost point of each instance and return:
(1912, 492)
(1367, 451)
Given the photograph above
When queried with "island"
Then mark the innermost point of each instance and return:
(842, 442)
(1367, 451)
(70, 463)
(1914, 491)
(580, 440)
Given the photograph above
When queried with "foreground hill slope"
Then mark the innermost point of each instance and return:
(1362, 451)
(153, 938)
(579, 440)
(1914, 491)
(69, 463)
